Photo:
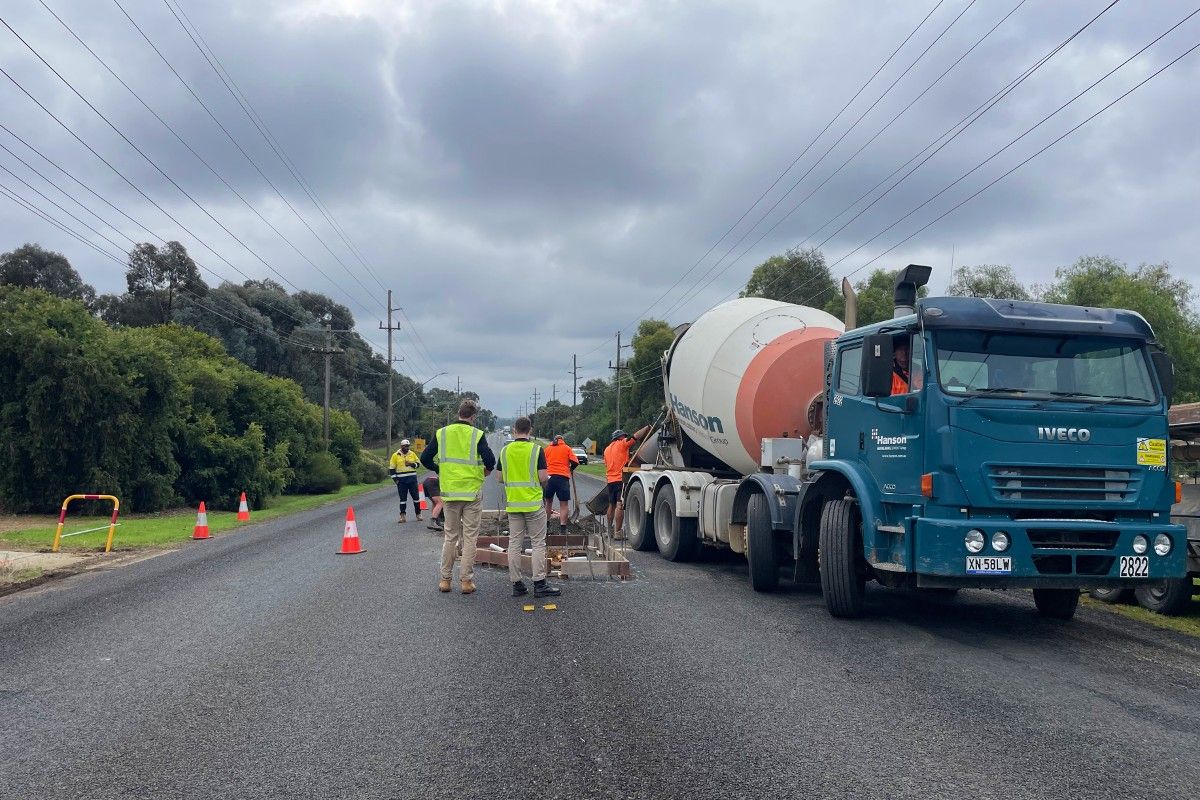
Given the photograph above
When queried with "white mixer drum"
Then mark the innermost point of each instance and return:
(746, 370)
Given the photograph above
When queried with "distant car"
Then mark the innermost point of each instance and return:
(508, 438)
(581, 454)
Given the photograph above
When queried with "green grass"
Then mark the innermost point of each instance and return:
(1188, 623)
(10, 576)
(169, 527)
(596, 469)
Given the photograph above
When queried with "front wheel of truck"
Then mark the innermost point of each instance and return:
(760, 545)
(1056, 603)
(839, 553)
(1169, 597)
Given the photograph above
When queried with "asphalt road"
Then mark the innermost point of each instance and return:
(261, 664)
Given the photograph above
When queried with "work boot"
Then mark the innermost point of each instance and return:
(403, 518)
(543, 589)
(418, 517)
(519, 588)
(436, 525)
(468, 587)
(562, 528)
(444, 585)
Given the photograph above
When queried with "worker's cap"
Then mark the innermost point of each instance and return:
(558, 437)
(619, 434)
(405, 443)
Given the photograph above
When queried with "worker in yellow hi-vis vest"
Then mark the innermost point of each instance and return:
(459, 453)
(523, 473)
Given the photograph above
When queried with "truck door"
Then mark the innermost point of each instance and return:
(892, 437)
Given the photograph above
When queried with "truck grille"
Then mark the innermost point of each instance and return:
(1095, 484)
(1069, 539)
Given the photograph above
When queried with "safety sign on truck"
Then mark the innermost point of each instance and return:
(1151, 452)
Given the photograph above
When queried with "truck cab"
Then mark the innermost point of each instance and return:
(979, 443)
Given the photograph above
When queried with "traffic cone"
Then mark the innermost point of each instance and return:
(350, 541)
(424, 504)
(201, 529)
(243, 509)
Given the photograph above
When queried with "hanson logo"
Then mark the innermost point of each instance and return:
(1064, 434)
(711, 424)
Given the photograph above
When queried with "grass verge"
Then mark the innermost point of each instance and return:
(1188, 623)
(595, 470)
(168, 527)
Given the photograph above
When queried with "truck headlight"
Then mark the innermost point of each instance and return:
(1000, 541)
(1140, 544)
(1162, 544)
(974, 540)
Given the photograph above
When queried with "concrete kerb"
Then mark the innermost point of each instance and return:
(599, 558)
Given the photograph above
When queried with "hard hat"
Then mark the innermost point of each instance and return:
(405, 442)
(618, 434)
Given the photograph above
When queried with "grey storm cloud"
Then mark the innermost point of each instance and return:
(529, 176)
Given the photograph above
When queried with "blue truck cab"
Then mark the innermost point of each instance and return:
(979, 443)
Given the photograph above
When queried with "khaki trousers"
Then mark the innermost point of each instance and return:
(521, 525)
(462, 526)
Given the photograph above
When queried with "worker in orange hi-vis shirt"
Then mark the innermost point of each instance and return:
(561, 462)
(616, 456)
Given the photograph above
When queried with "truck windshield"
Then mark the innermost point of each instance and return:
(1044, 366)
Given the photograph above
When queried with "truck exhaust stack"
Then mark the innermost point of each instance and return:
(908, 282)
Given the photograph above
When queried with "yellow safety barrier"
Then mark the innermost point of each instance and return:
(62, 518)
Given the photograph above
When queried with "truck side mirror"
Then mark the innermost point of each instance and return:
(1166, 372)
(877, 365)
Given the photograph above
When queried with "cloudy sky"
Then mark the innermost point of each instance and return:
(529, 176)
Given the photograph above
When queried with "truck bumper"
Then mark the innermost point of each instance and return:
(1044, 553)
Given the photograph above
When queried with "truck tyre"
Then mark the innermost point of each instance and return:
(675, 536)
(1056, 603)
(1170, 597)
(760, 545)
(1112, 594)
(839, 552)
(637, 525)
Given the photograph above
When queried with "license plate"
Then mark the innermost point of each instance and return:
(989, 565)
(1135, 566)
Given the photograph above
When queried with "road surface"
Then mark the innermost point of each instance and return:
(263, 665)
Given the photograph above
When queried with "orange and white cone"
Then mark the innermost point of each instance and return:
(350, 540)
(243, 509)
(201, 529)
(423, 504)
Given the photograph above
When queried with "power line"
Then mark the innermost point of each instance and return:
(210, 56)
(969, 119)
(186, 144)
(1029, 158)
(233, 140)
(813, 166)
(781, 175)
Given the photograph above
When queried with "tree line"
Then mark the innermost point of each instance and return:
(258, 322)
(803, 277)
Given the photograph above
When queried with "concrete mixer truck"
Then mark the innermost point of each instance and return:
(1026, 447)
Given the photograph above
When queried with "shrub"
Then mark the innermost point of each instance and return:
(321, 474)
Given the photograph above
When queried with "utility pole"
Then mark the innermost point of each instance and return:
(553, 398)
(328, 352)
(458, 387)
(574, 381)
(617, 368)
(535, 400)
(390, 329)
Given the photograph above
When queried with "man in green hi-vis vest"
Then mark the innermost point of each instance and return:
(459, 453)
(522, 471)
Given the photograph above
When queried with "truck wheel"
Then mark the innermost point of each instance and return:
(760, 546)
(1056, 603)
(838, 552)
(1170, 597)
(675, 537)
(636, 523)
(1111, 594)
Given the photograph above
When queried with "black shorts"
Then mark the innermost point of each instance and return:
(557, 486)
(433, 487)
(614, 492)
